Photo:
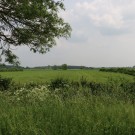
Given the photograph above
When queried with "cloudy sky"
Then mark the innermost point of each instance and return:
(103, 34)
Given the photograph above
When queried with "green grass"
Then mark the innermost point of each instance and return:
(47, 75)
(67, 111)
(78, 116)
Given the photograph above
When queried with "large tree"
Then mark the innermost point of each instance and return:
(35, 23)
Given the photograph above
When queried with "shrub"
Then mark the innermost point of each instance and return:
(96, 87)
(83, 81)
(5, 83)
(59, 83)
(75, 84)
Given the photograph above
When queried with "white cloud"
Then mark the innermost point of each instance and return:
(108, 14)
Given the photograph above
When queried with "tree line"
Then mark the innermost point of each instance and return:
(129, 71)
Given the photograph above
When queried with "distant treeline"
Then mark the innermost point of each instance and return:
(4, 67)
(129, 71)
(9, 68)
(55, 67)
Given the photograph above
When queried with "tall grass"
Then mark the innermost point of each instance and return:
(65, 107)
(76, 115)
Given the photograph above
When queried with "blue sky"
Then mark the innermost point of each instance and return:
(103, 34)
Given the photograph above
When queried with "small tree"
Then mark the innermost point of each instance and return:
(64, 66)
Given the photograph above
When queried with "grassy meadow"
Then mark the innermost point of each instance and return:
(47, 75)
(99, 103)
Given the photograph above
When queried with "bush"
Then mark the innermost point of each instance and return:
(59, 83)
(5, 83)
(83, 81)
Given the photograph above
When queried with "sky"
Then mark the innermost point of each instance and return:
(103, 35)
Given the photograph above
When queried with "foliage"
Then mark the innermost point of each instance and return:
(35, 23)
(128, 71)
(64, 66)
(83, 81)
(4, 83)
(59, 83)
(40, 111)
(24, 94)
(10, 69)
(119, 87)
(54, 67)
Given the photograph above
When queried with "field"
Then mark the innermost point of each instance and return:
(73, 102)
(47, 75)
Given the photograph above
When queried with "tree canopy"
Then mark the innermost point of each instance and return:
(64, 66)
(34, 23)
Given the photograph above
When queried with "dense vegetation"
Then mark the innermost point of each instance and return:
(129, 71)
(63, 106)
